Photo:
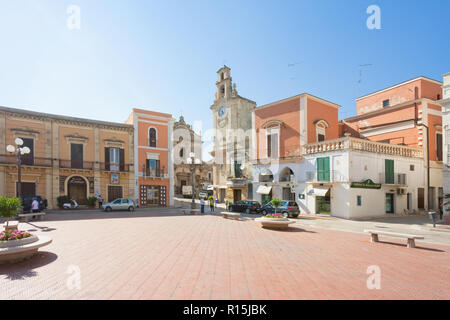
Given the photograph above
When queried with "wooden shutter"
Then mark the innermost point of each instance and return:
(323, 169)
(122, 159)
(158, 173)
(107, 165)
(389, 171)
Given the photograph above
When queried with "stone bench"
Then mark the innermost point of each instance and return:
(232, 215)
(24, 217)
(410, 237)
(190, 211)
(275, 223)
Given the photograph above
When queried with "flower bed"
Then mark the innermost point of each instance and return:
(274, 215)
(13, 235)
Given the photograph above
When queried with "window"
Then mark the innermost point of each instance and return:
(320, 137)
(358, 201)
(182, 153)
(152, 137)
(76, 155)
(411, 167)
(114, 159)
(28, 159)
(323, 169)
(389, 171)
(153, 168)
(439, 146)
(272, 145)
(321, 126)
(438, 97)
(386, 103)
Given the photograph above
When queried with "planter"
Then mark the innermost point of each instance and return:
(275, 223)
(18, 250)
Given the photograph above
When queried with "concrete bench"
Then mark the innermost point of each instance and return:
(190, 211)
(410, 237)
(232, 215)
(24, 217)
(12, 225)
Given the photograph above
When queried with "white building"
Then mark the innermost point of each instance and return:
(354, 178)
(445, 102)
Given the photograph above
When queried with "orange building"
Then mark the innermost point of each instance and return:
(153, 157)
(281, 129)
(400, 115)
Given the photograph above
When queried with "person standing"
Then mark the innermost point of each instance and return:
(202, 205)
(35, 206)
(100, 201)
(211, 204)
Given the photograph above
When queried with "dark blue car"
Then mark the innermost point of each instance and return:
(28, 200)
(287, 208)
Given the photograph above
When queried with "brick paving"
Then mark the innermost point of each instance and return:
(165, 255)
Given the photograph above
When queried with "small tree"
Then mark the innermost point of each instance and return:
(276, 202)
(9, 208)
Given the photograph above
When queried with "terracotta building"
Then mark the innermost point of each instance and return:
(400, 115)
(153, 157)
(69, 156)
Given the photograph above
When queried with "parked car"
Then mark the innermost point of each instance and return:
(119, 204)
(287, 208)
(246, 206)
(27, 200)
(205, 194)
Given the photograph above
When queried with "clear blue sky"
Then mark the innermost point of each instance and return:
(163, 55)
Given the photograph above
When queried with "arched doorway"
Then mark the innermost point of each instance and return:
(77, 189)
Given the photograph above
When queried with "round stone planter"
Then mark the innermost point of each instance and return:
(275, 223)
(18, 250)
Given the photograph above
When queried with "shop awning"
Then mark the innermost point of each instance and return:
(210, 188)
(263, 190)
(319, 191)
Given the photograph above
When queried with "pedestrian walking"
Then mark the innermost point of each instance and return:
(100, 201)
(211, 204)
(202, 205)
(35, 206)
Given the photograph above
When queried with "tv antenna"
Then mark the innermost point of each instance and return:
(360, 76)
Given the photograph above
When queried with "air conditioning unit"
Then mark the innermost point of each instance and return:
(401, 191)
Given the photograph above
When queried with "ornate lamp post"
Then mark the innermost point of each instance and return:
(192, 161)
(19, 151)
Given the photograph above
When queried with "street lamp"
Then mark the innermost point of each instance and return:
(428, 166)
(192, 161)
(19, 151)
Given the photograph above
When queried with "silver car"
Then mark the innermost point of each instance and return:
(119, 204)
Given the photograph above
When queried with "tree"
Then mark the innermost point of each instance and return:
(9, 208)
(276, 202)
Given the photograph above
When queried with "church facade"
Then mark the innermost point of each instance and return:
(232, 122)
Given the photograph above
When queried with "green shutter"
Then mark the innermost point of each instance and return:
(323, 169)
(389, 171)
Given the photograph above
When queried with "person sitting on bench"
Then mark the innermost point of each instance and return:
(35, 206)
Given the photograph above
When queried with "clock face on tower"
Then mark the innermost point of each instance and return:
(222, 111)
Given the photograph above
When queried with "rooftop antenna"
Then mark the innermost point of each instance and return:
(360, 76)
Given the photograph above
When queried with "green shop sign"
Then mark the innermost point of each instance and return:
(367, 184)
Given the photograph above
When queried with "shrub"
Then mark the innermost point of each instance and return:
(90, 201)
(276, 202)
(9, 208)
(61, 200)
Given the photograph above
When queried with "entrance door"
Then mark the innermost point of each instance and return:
(237, 195)
(77, 189)
(420, 198)
(114, 192)
(389, 203)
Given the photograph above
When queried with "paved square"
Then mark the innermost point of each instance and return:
(165, 255)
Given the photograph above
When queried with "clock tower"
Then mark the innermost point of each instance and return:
(232, 121)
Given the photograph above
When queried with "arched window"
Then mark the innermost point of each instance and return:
(222, 90)
(182, 153)
(152, 137)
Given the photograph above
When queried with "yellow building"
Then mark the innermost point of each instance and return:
(69, 156)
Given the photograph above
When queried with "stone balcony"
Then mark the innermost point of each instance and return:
(350, 143)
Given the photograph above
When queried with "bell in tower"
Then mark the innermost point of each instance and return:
(224, 83)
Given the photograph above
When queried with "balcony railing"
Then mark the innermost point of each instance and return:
(76, 164)
(397, 179)
(154, 173)
(26, 161)
(350, 143)
(325, 176)
(114, 167)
